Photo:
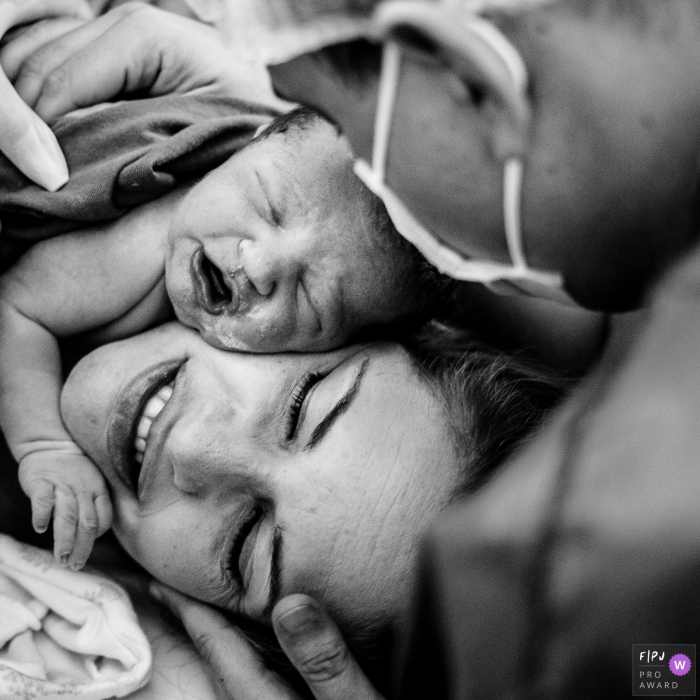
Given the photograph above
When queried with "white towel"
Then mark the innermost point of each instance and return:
(65, 633)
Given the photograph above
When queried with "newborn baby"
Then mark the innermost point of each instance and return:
(280, 248)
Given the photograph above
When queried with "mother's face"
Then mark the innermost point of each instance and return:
(266, 475)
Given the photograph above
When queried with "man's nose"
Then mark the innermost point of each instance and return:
(272, 262)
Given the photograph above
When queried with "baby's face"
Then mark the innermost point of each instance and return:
(274, 250)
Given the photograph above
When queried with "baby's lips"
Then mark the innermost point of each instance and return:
(215, 292)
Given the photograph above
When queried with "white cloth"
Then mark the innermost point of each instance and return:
(65, 633)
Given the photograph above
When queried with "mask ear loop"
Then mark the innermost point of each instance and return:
(386, 99)
(512, 209)
(513, 168)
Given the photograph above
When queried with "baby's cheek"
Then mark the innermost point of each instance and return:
(180, 294)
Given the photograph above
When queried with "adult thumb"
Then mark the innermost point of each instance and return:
(314, 644)
(24, 138)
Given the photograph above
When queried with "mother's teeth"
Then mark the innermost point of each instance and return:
(153, 407)
(150, 412)
(144, 427)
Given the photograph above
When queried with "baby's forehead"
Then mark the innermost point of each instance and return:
(298, 125)
(313, 157)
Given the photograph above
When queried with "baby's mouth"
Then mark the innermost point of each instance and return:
(214, 293)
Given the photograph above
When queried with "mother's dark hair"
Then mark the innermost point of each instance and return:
(493, 401)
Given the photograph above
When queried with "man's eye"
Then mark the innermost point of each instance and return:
(296, 403)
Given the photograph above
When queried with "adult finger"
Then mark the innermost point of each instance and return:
(24, 138)
(315, 646)
(28, 142)
(15, 12)
(237, 670)
(51, 55)
(20, 45)
(132, 48)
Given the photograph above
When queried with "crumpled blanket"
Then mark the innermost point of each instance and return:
(127, 154)
(65, 633)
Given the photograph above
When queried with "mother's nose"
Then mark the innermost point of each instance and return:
(216, 446)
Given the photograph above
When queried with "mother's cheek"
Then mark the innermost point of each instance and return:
(86, 398)
(172, 545)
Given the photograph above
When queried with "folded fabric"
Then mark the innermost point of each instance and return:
(65, 633)
(207, 11)
(127, 154)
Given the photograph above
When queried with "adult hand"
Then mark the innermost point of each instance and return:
(24, 138)
(132, 48)
(308, 636)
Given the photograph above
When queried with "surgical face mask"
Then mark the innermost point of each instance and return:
(444, 257)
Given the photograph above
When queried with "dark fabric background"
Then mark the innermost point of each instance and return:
(586, 543)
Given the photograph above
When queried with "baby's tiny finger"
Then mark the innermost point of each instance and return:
(65, 521)
(42, 498)
(86, 531)
(103, 506)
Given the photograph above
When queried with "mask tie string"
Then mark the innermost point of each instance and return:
(386, 99)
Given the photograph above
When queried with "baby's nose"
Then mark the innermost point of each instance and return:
(271, 263)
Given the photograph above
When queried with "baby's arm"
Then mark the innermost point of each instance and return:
(61, 287)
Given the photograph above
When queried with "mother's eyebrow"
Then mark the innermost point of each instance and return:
(321, 430)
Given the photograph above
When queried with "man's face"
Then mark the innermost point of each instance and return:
(436, 161)
(609, 144)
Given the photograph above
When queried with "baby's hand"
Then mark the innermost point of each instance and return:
(73, 488)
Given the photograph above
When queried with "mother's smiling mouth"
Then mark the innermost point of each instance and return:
(126, 415)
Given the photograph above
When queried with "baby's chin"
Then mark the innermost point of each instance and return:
(262, 343)
(257, 335)
(228, 343)
(229, 337)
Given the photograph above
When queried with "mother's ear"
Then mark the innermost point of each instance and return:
(479, 55)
